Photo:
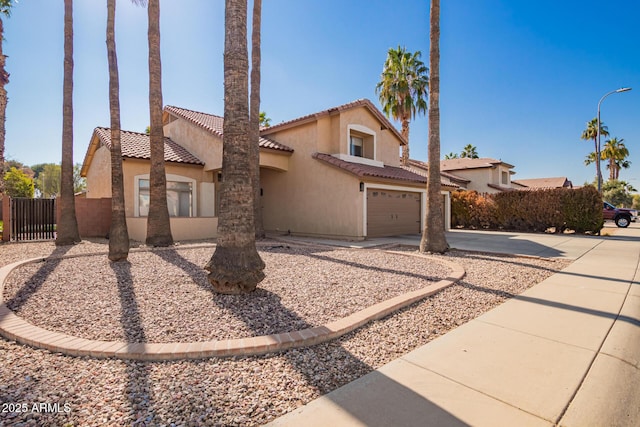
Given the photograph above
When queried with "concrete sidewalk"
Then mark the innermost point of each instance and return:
(566, 352)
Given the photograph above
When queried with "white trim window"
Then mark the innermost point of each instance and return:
(356, 144)
(181, 200)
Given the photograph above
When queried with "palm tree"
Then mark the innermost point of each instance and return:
(469, 151)
(451, 155)
(264, 120)
(158, 221)
(591, 132)
(118, 233)
(67, 224)
(402, 89)
(235, 266)
(433, 238)
(256, 117)
(5, 9)
(616, 153)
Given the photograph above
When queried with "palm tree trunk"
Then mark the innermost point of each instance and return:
(236, 266)
(433, 237)
(118, 234)
(598, 166)
(254, 117)
(404, 160)
(4, 79)
(67, 227)
(158, 221)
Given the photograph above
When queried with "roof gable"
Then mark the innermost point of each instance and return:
(360, 103)
(215, 124)
(136, 145)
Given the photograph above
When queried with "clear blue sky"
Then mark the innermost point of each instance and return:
(519, 79)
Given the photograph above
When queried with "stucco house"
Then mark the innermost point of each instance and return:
(335, 173)
(484, 175)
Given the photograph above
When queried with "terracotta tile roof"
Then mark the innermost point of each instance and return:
(468, 163)
(420, 167)
(355, 104)
(540, 183)
(214, 124)
(136, 145)
(361, 170)
(501, 188)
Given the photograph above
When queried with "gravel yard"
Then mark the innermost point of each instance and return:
(166, 297)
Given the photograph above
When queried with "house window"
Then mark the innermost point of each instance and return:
(505, 178)
(362, 141)
(356, 145)
(179, 198)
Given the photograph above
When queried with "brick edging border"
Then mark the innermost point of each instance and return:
(15, 328)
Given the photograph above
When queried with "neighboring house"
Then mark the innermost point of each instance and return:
(335, 173)
(484, 175)
(543, 183)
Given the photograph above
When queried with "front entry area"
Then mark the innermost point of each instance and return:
(391, 213)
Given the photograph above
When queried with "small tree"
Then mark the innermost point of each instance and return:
(18, 184)
(618, 193)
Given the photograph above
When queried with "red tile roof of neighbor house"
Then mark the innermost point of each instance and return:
(422, 168)
(214, 124)
(136, 146)
(355, 104)
(543, 183)
(469, 163)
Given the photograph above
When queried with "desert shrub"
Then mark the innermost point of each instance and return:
(582, 210)
(470, 209)
(529, 211)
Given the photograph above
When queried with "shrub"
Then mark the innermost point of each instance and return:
(529, 211)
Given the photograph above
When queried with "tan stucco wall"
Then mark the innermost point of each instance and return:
(204, 145)
(311, 197)
(99, 174)
(181, 228)
(387, 144)
(99, 177)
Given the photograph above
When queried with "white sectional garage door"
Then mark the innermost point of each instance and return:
(391, 212)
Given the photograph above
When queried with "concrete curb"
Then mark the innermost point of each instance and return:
(15, 328)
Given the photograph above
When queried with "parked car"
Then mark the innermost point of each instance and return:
(622, 216)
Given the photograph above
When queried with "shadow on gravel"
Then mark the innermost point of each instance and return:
(378, 269)
(261, 300)
(507, 259)
(329, 366)
(36, 281)
(138, 390)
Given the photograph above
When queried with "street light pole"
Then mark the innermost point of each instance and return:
(598, 165)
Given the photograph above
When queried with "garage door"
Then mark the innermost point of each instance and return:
(390, 213)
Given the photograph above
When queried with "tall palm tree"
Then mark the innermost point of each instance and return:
(591, 132)
(67, 227)
(469, 151)
(5, 9)
(118, 233)
(256, 117)
(236, 266)
(433, 237)
(616, 153)
(158, 221)
(403, 89)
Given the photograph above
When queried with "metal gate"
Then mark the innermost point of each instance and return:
(33, 219)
